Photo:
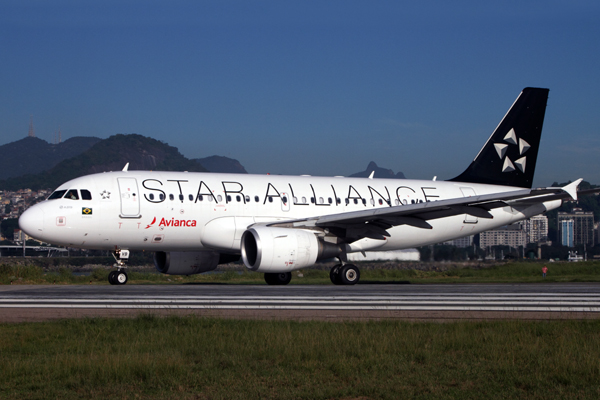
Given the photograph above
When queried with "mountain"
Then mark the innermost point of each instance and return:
(142, 153)
(379, 172)
(221, 164)
(31, 155)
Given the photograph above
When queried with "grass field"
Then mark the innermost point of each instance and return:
(194, 358)
(514, 272)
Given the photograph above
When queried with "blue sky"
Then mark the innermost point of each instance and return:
(310, 87)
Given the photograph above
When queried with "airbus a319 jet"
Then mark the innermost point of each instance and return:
(277, 224)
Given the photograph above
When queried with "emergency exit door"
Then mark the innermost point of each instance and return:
(468, 192)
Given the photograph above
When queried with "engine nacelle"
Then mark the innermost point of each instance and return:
(185, 263)
(266, 249)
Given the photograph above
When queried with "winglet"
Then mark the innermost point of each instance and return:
(571, 188)
(372, 174)
(126, 167)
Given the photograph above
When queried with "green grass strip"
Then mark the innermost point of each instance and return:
(194, 358)
(513, 272)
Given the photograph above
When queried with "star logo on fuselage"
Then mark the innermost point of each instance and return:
(501, 148)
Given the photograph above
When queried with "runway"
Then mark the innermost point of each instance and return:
(301, 302)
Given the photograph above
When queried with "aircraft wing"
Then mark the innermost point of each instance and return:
(373, 223)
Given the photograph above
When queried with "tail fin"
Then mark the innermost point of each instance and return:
(509, 156)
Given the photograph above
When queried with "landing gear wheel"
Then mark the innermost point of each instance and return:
(111, 277)
(334, 274)
(349, 274)
(280, 278)
(120, 277)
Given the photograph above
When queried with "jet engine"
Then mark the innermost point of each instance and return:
(268, 249)
(186, 263)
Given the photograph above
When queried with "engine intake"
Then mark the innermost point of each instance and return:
(267, 249)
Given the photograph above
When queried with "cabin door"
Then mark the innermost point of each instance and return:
(130, 198)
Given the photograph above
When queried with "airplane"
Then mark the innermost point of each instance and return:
(278, 224)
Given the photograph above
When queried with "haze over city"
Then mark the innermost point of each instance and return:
(317, 88)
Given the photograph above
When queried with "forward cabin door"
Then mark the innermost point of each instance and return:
(130, 198)
(468, 192)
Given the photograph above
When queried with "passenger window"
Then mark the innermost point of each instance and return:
(329, 200)
(270, 199)
(72, 195)
(85, 195)
(321, 200)
(295, 199)
(220, 198)
(347, 201)
(57, 194)
(210, 198)
(284, 199)
(303, 200)
(372, 202)
(338, 201)
(397, 202)
(191, 197)
(355, 201)
(364, 201)
(238, 198)
(247, 199)
(228, 198)
(171, 197)
(312, 200)
(180, 197)
(151, 196)
(380, 202)
(256, 199)
(161, 196)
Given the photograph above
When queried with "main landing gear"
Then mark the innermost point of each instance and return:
(344, 274)
(119, 277)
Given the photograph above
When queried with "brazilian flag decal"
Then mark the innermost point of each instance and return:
(86, 211)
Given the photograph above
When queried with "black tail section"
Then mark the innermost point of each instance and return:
(509, 156)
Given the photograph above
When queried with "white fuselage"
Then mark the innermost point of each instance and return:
(186, 211)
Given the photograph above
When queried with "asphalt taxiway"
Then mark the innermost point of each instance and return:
(301, 302)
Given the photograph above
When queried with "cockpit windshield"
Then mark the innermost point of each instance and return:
(71, 194)
(57, 194)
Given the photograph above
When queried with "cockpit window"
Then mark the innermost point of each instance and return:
(57, 194)
(85, 195)
(72, 195)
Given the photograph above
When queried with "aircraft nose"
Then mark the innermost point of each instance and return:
(32, 221)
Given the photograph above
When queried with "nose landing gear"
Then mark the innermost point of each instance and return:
(119, 277)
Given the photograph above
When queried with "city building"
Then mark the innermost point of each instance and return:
(536, 229)
(463, 242)
(566, 232)
(509, 235)
(583, 226)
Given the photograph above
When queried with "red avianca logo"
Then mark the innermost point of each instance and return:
(173, 222)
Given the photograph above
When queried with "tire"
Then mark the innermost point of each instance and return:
(120, 277)
(111, 277)
(279, 278)
(334, 274)
(349, 274)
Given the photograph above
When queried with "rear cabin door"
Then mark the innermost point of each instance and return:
(130, 198)
(468, 192)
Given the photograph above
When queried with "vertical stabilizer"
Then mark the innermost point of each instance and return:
(509, 156)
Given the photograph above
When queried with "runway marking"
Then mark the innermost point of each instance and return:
(520, 302)
(275, 307)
